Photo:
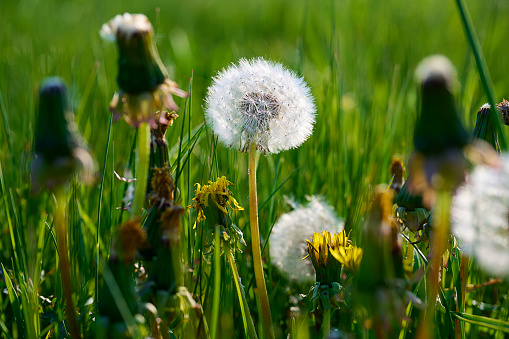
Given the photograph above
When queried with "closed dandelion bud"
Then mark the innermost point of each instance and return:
(484, 128)
(438, 127)
(438, 162)
(409, 210)
(59, 153)
(144, 85)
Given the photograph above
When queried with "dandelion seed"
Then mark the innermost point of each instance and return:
(480, 217)
(262, 103)
(288, 238)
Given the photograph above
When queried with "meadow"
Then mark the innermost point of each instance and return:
(358, 58)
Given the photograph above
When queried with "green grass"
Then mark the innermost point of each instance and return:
(357, 56)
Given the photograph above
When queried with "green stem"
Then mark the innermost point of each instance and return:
(244, 307)
(142, 164)
(482, 68)
(217, 281)
(438, 245)
(256, 248)
(326, 323)
(64, 267)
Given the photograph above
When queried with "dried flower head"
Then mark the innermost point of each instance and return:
(480, 217)
(288, 243)
(216, 192)
(58, 145)
(503, 108)
(261, 103)
(398, 173)
(144, 84)
(131, 237)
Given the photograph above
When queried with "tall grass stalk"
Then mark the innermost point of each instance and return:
(256, 247)
(482, 68)
(217, 281)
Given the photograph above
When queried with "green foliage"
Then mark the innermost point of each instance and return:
(358, 56)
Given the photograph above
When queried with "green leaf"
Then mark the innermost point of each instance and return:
(495, 324)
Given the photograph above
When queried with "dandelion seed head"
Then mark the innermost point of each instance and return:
(262, 103)
(480, 217)
(288, 244)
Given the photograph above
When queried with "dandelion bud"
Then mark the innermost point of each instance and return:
(409, 210)
(438, 127)
(144, 85)
(438, 162)
(58, 150)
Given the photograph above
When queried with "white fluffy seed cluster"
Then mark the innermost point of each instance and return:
(288, 239)
(480, 217)
(262, 103)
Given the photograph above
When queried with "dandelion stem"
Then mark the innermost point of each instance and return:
(326, 323)
(142, 164)
(438, 245)
(64, 267)
(460, 305)
(256, 248)
(217, 281)
(244, 308)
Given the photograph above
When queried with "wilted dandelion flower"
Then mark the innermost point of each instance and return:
(480, 217)
(288, 238)
(261, 103)
(216, 193)
(144, 84)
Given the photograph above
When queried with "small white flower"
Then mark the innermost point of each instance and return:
(262, 103)
(288, 244)
(480, 217)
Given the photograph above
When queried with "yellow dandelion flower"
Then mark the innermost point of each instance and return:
(327, 267)
(218, 193)
(349, 256)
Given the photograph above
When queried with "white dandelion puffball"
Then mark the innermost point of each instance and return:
(288, 244)
(480, 217)
(258, 102)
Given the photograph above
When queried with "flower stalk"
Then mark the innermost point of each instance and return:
(142, 163)
(256, 247)
(63, 260)
(244, 307)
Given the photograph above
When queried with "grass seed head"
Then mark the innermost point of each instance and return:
(261, 103)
